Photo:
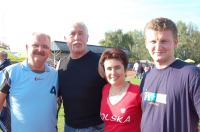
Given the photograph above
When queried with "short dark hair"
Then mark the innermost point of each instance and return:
(4, 54)
(162, 24)
(113, 53)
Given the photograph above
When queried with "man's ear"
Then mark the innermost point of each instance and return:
(26, 49)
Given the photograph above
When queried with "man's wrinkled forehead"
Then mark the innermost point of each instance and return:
(77, 27)
(38, 37)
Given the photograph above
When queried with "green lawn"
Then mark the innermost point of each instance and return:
(61, 112)
(61, 121)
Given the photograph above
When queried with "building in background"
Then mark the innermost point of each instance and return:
(60, 49)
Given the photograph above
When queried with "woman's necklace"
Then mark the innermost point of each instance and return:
(118, 91)
(116, 94)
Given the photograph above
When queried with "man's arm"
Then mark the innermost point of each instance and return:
(195, 88)
(4, 86)
(2, 99)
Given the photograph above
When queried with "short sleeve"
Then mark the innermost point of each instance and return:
(4, 81)
(195, 90)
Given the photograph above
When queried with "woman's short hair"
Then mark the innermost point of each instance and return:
(112, 53)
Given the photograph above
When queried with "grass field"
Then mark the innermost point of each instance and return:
(61, 112)
(61, 121)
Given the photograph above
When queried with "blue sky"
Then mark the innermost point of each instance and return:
(18, 19)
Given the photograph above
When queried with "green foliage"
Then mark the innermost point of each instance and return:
(138, 50)
(61, 120)
(135, 81)
(113, 39)
(132, 41)
(189, 43)
(13, 58)
(4, 45)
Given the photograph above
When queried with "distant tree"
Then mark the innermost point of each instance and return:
(4, 45)
(12, 57)
(132, 41)
(189, 42)
(113, 39)
(138, 50)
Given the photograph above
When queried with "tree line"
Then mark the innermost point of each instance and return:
(188, 47)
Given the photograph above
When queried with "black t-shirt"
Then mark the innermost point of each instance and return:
(80, 88)
(171, 99)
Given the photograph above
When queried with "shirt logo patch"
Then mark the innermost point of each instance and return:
(38, 78)
(123, 110)
(155, 97)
